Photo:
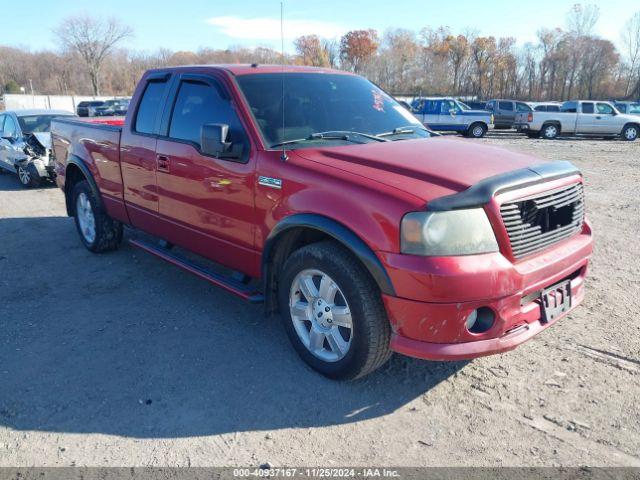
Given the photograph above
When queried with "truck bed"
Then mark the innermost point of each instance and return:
(97, 143)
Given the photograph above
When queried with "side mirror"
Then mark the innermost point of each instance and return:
(9, 138)
(213, 141)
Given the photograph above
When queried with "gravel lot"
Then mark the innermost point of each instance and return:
(122, 359)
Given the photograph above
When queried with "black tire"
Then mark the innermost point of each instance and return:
(29, 176)
(108, 232)
(550, 131)
(477, 130)
(630, 133)
(369, 348)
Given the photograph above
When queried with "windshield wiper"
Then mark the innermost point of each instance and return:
(408, 130)
(330, 135)
(347, 133)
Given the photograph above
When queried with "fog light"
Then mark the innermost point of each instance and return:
(471, 319)
(480, 320)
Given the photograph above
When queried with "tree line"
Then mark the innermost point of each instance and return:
(568, 61)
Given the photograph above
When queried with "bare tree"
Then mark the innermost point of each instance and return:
(631, 44)
(92, 39)
(581, 19)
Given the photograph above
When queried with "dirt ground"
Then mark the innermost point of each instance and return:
(121, 359)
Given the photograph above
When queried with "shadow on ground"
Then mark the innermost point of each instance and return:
(125, 344)
(9, 182)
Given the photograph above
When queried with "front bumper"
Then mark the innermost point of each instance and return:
(44, 167)
(436, 295)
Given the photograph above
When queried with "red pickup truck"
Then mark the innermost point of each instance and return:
(325, 199)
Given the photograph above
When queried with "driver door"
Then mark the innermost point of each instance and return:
(449, 115)
(3, 143)
(8, 150)
(206, 203)
(606, 119)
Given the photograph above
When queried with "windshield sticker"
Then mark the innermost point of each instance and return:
(378, 102)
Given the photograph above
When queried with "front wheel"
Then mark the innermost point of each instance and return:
(29, 176)
(630, 133)
(332, 312)
(550, 132)
(98, 232)
(477, 130)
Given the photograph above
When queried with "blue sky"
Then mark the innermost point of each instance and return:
(189, 24)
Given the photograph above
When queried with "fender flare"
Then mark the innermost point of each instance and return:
(335, 230)
(79, 163)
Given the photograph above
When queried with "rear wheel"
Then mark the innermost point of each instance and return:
(98, 232)
(477, 130)
(332, 312)
(29, 176)
(630, 133)
(550, 131)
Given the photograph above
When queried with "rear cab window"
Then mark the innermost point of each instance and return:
(587, 108)
(522, 107)
(150, 106)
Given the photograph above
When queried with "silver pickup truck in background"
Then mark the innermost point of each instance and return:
(581, 118)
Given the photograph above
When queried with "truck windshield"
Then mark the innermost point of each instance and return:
(316, 104)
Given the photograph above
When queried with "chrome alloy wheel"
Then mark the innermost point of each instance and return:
(477, 131)
(24, 175)
(320, 315)
(631, 133)
(551, 131)
(86, 219)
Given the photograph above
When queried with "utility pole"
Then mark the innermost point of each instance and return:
(31, 85)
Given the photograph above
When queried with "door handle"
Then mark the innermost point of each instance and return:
(598, 118)
(162, 162)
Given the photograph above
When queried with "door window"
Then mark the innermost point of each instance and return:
(605, 109)
(449, 106)
(199, 103)
(9, 129)
(2, 125)
(587, 108)
(522, 107)
(150, 106)
(507, 106)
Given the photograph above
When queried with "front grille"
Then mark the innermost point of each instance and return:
(536, 222)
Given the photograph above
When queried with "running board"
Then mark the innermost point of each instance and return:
(227, 283)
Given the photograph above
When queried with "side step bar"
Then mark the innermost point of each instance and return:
(229, 284)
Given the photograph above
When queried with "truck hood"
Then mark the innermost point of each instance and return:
(426, 168)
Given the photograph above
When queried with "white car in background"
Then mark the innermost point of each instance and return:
(25, 144)
(580, 118)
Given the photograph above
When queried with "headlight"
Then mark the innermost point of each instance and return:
(455, 232)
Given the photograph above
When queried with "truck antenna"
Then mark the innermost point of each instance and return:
(284, 156)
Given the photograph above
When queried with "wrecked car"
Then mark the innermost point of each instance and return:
(25, 144)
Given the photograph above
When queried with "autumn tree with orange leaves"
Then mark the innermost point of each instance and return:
(357, 47)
